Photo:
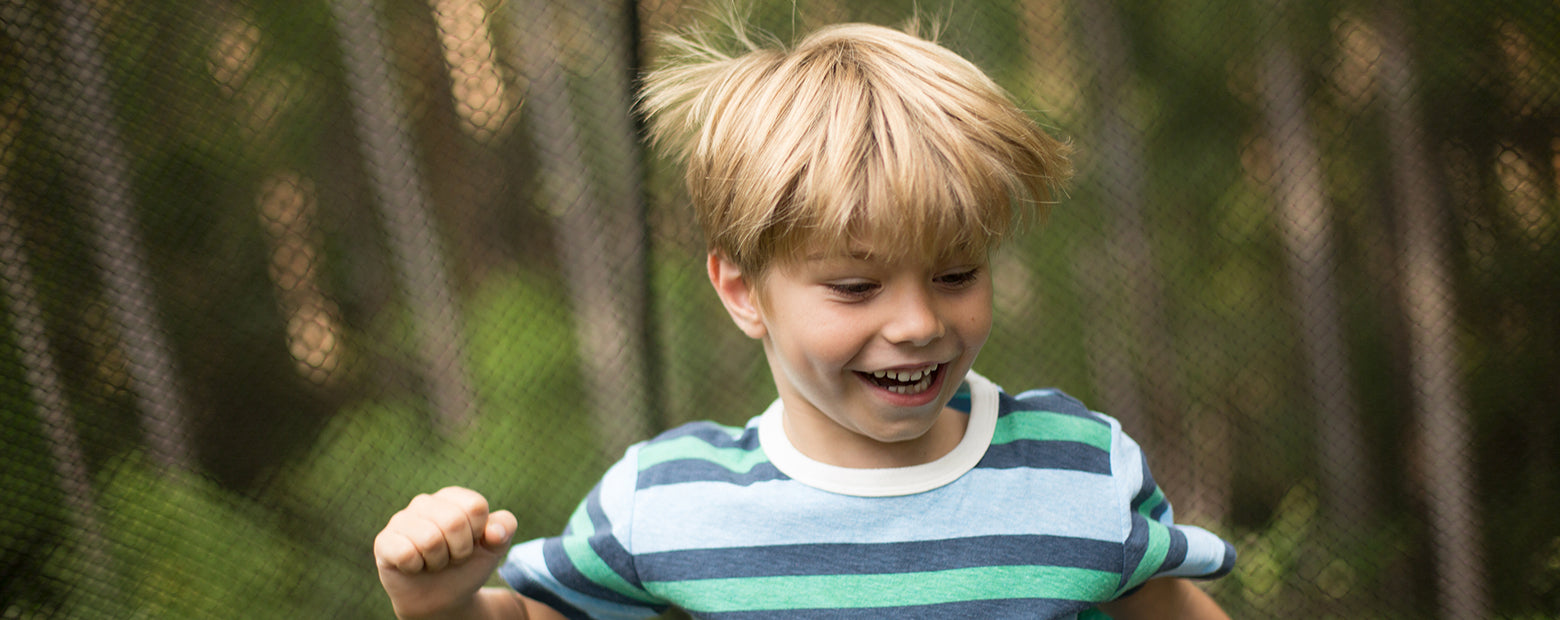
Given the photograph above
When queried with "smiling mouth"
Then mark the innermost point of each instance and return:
(905, 382)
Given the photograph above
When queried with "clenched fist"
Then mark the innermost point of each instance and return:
(434, 555)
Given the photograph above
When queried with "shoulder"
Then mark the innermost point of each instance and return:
(1053, 414)
(1050, 430)
(702, 451)
(698, 440)
(1050, 400)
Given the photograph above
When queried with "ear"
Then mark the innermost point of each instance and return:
(737, 293)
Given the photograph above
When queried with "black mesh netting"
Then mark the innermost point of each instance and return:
(268, 269)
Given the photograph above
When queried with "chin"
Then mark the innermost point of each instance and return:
(904, 430)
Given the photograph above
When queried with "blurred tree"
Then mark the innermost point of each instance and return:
(1430, 303)
(47, 391)
(600, 244)
(1133, 358)
(1305, 215)
(395, 176)
(76, 97)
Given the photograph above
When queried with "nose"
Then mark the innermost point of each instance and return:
(914, 319)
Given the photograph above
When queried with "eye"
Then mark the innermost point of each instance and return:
(959, 279)
(852, 289)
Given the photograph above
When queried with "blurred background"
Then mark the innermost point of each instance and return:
(269, 269)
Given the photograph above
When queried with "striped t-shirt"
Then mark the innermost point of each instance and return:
(1043, 510)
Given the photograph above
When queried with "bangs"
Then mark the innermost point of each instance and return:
(861, 132)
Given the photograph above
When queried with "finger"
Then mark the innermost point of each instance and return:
(394, 550)
(463, 516)
(472, 504)
(424, 535)
(452, 522)
(500, 529)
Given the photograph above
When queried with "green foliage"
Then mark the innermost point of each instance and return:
(375, 456)
(1288, 569)
(177, 546)
(32, 510)
(1270, 557)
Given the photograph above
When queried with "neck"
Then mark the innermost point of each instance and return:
(831, 445)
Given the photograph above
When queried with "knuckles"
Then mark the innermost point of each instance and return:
(469, 501)
(433, 529)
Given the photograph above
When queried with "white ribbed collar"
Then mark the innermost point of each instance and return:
(890, 481)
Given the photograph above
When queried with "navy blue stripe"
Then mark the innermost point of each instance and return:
(1175, 556)
(1158, 513)
(1136, 547)
(1137, 540)
(607, 546)
(536, 592)
(713, 434)
(1004, 608)
(1146, 490)
(693, 470)
(531, 589)
(880, 558)
(563, 570)
(1066, 455)
(1053, 401)
(1227, 566)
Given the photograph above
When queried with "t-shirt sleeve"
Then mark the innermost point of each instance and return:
(588, 571)
(1156, 546)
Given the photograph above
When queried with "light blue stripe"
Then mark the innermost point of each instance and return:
(771, 506)
(1204, 553)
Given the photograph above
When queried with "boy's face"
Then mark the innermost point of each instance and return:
(866, 353)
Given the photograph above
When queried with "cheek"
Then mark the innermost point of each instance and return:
(975, 319)
(800, 332)
(829, 342)
(977, 330)
(824, 340)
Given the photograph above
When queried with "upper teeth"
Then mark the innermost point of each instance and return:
(906, 376)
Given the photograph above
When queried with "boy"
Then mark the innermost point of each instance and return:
(850, 189)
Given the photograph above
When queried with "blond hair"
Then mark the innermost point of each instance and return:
(857, 132)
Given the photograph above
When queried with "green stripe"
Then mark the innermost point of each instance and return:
(689, 447)
(1158, 541)
(1048, 426)
(893, 590)
(1152, 503)
(577, 546)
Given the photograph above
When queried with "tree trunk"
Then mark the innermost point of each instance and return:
(600, 244)
(1427, 297)
(1133, 359)
(395, 178)
(1306, 221)
(78, 101)
(47, 390)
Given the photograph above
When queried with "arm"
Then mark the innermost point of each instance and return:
(434, 556)
(1166, 597)
(496, 603)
